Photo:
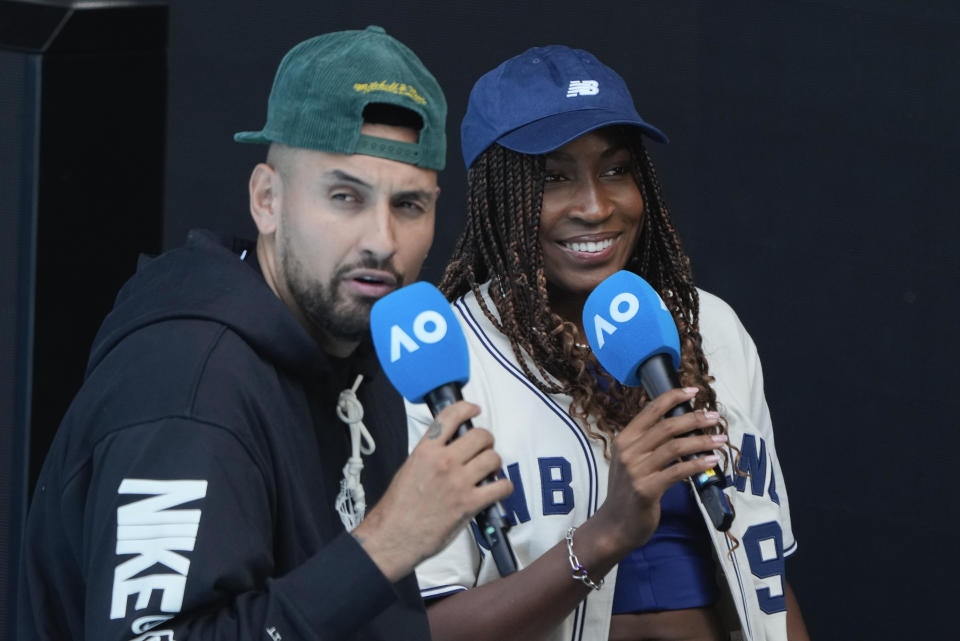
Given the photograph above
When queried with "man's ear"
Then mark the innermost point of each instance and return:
(265, 196)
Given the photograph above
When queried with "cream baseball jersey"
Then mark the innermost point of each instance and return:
(560, 477)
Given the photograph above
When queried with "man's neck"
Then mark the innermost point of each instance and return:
(334, 347)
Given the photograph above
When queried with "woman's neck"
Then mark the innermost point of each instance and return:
(570, 308)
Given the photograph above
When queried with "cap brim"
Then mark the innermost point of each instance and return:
(545, 135)
(253, 137)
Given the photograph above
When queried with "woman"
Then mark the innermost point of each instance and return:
(563, 194)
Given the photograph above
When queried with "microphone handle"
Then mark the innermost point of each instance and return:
(490, 521)
(657, 376)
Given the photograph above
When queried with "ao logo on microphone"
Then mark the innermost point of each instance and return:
(418, 340)
(429, 327)
(623, 307)
(627, 316)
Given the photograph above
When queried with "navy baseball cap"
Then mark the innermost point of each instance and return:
(542, 99)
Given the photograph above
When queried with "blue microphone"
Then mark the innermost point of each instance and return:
(635, 338)
(424, 354)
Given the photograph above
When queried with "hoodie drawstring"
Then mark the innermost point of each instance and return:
(351, 502)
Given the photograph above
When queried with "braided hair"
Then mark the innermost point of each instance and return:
(501, 244)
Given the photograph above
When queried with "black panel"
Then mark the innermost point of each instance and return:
(18, 76)
(82, 111)
(100, 200)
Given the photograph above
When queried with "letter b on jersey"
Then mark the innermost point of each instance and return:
(555, 479)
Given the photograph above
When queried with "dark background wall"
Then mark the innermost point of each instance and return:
(814, 151)
(811, 173)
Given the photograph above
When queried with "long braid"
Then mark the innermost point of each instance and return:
(501, 244)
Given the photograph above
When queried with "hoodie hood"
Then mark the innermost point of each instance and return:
(206, 280)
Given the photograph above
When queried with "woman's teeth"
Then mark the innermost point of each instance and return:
(589, 247)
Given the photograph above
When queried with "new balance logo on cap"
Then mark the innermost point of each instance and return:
(583, 88)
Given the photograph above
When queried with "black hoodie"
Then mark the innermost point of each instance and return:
(190, 488)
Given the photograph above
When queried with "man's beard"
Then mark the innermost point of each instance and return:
(322, 304)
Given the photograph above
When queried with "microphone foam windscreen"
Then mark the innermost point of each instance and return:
(627, 323)
(419, 341)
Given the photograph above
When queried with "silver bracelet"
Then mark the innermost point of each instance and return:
(579, 572)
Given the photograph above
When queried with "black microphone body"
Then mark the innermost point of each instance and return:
(490, 521)
(657, 376)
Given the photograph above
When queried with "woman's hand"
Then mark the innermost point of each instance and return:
(646, 462)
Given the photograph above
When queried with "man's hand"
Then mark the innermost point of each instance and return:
(433, 495)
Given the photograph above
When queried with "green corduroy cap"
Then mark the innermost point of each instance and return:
(323, 85)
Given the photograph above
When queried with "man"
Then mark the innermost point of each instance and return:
(194, 488)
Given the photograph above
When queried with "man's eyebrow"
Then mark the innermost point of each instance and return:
(415, 194)
(350, 178)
